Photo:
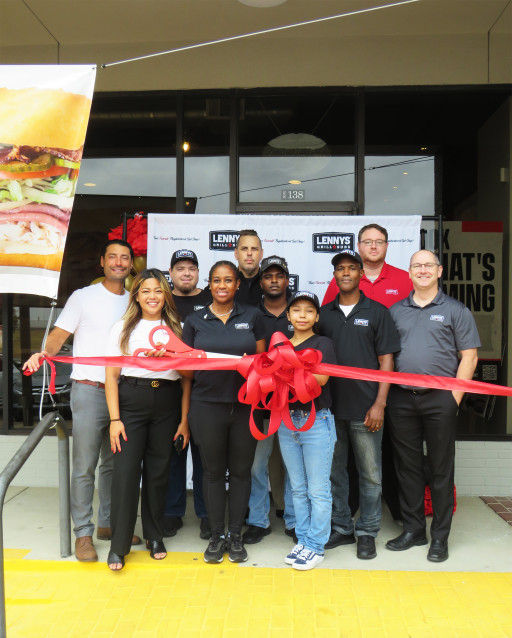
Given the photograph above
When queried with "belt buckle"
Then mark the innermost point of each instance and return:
(155, 383)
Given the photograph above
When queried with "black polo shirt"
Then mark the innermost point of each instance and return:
(238, 336)
(249, 291)
(432, 336)
(359, 339)
(187, 304)
(275, 323)
(326, 347)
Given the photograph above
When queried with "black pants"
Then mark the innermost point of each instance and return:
(151, 417)
(414, 418)
(221, 430)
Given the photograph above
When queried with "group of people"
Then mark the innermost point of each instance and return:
(378, 317)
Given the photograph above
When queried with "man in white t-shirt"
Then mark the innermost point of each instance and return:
(89, 314)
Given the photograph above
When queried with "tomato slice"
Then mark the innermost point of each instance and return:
(51, 172)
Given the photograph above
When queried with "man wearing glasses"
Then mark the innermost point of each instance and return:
(381, 281)
(434, 330)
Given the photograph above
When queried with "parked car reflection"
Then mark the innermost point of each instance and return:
(27, 390)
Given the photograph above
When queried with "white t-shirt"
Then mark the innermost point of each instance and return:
(89, 314)
(346, 310)
(138, 339)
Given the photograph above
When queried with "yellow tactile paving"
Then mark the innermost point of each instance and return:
(185, 598)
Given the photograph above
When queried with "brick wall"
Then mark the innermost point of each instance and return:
(482, 468)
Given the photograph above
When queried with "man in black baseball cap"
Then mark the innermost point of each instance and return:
(268, 464)
(184, 273)
(364, 336)
(347, 253)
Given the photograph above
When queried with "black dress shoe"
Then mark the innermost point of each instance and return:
(366, 547)
(438, 551)
(291, 533)
(406, 540)
(253, 534)
(172, 524)
(337, 538)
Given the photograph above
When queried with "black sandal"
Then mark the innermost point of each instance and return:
(114, 559)
(156, 547)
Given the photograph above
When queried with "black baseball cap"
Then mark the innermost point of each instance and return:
(273, 260)
(304, 294)
(183, 254)
(351, 254)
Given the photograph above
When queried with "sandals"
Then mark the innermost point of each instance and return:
(156, 547)
(115, 559)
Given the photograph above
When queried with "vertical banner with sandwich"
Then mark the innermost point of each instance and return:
(44, 112)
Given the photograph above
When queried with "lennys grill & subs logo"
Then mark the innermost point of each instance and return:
(332, 242)
(293, 285)
(223, 239)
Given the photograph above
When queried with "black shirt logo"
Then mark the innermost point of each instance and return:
(332, 242)
(223, 239)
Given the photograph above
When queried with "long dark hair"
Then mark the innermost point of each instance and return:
(133, 313)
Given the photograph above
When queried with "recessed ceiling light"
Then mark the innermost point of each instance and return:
(406, 173)
(89, 184)
(295, 181)
(262, 3)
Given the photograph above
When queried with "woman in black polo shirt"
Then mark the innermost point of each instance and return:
(219, 423)
(145, 410)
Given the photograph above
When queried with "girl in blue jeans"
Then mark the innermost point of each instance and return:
(308, 455)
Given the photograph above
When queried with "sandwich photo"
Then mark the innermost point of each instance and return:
(42, 133)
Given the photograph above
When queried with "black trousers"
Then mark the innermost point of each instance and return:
(221, 430)
(412, 419)
(151, 417)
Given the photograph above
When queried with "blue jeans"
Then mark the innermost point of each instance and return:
(368, 457)
(308, 459)
(176, 500)
(259, 501)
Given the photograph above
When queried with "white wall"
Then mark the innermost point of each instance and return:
(482, 468)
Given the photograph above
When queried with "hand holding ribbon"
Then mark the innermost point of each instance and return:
(277, 377)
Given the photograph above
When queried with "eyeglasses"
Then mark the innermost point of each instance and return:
(378, 242)
(427, 266)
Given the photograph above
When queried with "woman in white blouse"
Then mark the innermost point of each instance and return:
(148, 410)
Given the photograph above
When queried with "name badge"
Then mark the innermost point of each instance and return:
(437, 318)
(242, 326)
(198, 307)
(361, 322)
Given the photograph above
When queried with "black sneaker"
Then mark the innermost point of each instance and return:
(171, 525)
(236, 549)
(205, 530)
(216, 548)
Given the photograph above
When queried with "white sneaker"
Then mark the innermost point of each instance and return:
(293, 555)
(307, 559)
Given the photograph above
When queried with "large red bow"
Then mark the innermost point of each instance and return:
(275, 379)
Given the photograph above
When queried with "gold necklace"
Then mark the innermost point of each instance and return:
(224, 314)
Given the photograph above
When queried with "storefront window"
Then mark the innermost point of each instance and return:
(297, 148)
(399, 185)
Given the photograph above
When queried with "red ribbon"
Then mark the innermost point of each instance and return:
(279, 377)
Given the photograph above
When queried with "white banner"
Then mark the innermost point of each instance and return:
(44, 112)
(306, 242)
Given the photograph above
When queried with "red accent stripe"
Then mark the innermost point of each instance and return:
(482, 227)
